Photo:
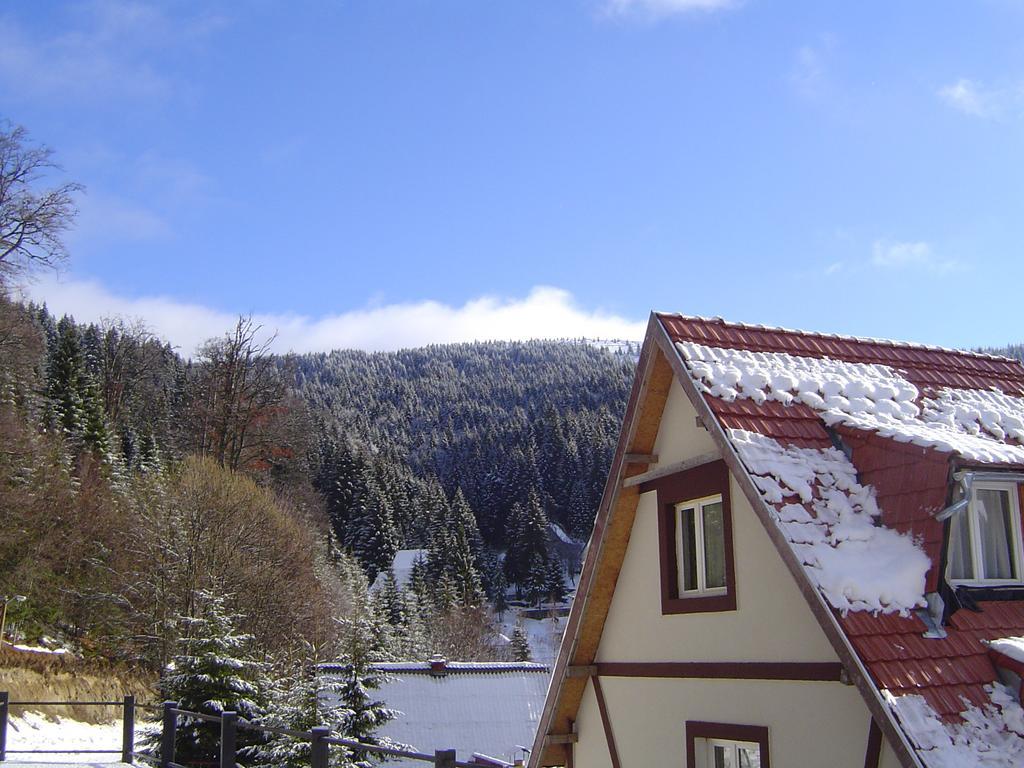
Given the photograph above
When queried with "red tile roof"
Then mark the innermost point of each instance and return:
(925, 367)
(911, 483)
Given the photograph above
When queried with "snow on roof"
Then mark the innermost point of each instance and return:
(776, 394)
(402, 567)
(829, 519)
(1012, 647)
(989, 736)
(488, 707)
(867, 396)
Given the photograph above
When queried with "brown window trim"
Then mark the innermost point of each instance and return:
(698, 729)
(706, 480)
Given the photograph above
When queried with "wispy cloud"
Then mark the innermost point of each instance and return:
(890, 254)
(108, 218)
(106, 51)
(809, 74)
(545, 312)
(661, 8)
(970, 98)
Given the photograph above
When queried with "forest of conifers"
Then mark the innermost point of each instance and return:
(133, 479)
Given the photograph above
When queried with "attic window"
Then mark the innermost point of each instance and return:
(698, 573)
(985, 538)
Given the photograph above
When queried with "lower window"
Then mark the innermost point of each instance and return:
(726, 745)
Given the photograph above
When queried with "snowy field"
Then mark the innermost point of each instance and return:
(34, 731)
(544, 636)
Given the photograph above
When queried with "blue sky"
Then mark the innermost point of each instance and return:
(383, 173)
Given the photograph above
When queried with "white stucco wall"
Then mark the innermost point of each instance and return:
(811, 723)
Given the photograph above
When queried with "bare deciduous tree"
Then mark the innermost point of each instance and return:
(241, 397)
(32, 220)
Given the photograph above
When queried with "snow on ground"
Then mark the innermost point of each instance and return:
(544, 635)
(865, 396)
(564, 537)
(32, 730)
(39, 649)
(857, 564)
(992, 737)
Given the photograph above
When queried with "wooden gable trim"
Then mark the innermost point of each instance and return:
(802, 671)
(606, 723)
(826, 618)
(873, 753)
(612, 527)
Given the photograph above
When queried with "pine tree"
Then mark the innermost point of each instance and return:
(212, 673)
(64, 373)
(520, 645)
(364, 715)
(302, 700)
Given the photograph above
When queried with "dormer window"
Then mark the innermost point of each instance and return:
(985, 538)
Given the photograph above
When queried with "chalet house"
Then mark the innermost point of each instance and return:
(809, 553)
(486, 711)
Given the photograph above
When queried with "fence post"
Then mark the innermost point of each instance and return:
(319, 747)
(4, 698)
(170, 725)
(128, 730)
(444, 758)
(228, 738)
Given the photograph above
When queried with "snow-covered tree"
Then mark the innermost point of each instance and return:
(302, 700)
(520, 645)
(364, 714)
(211, 673)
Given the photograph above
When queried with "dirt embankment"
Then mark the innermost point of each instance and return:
(29, 676)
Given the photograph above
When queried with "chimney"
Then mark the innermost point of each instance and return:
(438, 666)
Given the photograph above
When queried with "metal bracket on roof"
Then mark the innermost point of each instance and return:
(966, 479)
(932, 616)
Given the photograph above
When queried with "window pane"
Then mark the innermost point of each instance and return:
(749, 757)
(714, 545)
(960, 560)
(723, 757)
(993, 510)
(688, 550)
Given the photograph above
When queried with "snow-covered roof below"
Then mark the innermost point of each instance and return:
(992, 736)
(830, 521)
(402, 567)
(462, 666)
(487, 708)
(872, 397)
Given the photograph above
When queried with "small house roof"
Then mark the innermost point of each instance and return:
(485, 708)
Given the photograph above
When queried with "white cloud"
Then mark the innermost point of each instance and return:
(659, 8)
(888, 254)
(544, 313)
(105, 50)
(970, 98)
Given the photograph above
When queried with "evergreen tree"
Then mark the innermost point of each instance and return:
(211, 673)
(364, 715)
(303, 700)
(64, 380)
(520, 645)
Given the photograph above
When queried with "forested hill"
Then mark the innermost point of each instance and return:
(498, 420)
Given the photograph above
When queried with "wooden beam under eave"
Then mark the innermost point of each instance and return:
(561, 738)
(641, 458)
(582, 670)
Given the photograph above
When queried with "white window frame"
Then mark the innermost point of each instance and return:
(974, 531)
(733, 746)
(697, 505)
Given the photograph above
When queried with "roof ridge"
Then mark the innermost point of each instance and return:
(839, 336)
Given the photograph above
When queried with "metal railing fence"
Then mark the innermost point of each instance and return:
(320, 737)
